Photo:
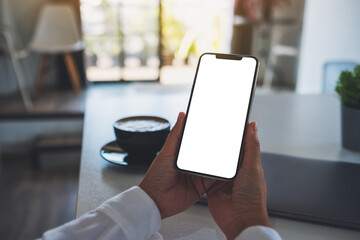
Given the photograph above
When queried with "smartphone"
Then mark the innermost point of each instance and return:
(212, 140)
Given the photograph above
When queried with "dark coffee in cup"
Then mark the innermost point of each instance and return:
(141, 125)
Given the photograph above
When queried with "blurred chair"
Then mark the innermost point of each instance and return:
(332, 71)
(290, 54)
(8, 40)
(281, 66)
(57, 32)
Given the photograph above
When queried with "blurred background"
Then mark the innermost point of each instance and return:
(45, 72)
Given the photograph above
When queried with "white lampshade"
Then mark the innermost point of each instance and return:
(56, 30)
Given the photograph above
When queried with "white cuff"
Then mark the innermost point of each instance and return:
(135, 212)
(259, 232)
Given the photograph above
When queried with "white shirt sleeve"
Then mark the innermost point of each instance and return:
(129, 215)
(258, 232)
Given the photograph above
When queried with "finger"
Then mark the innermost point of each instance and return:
(207, 183)
(219, 188)
(252, 155)
(173, 139)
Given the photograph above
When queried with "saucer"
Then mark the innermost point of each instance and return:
(112, 153)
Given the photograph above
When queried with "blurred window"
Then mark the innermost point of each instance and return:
(123, 37)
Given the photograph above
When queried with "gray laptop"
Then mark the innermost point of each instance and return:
(313, 190)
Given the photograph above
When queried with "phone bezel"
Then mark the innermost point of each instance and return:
(252, 93)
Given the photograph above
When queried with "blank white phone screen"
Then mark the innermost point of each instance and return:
(216, 117)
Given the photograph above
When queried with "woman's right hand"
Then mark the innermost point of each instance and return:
(241, 203)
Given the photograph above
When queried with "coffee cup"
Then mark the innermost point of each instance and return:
(142, 137)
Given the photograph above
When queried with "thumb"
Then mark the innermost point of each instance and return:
(172, 142)
(252, 155)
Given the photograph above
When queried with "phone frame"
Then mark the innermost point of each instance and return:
(252, 93)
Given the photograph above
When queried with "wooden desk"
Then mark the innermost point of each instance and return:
(306, 126)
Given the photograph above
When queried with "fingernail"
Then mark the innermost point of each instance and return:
(255, 129)
(179, 117)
